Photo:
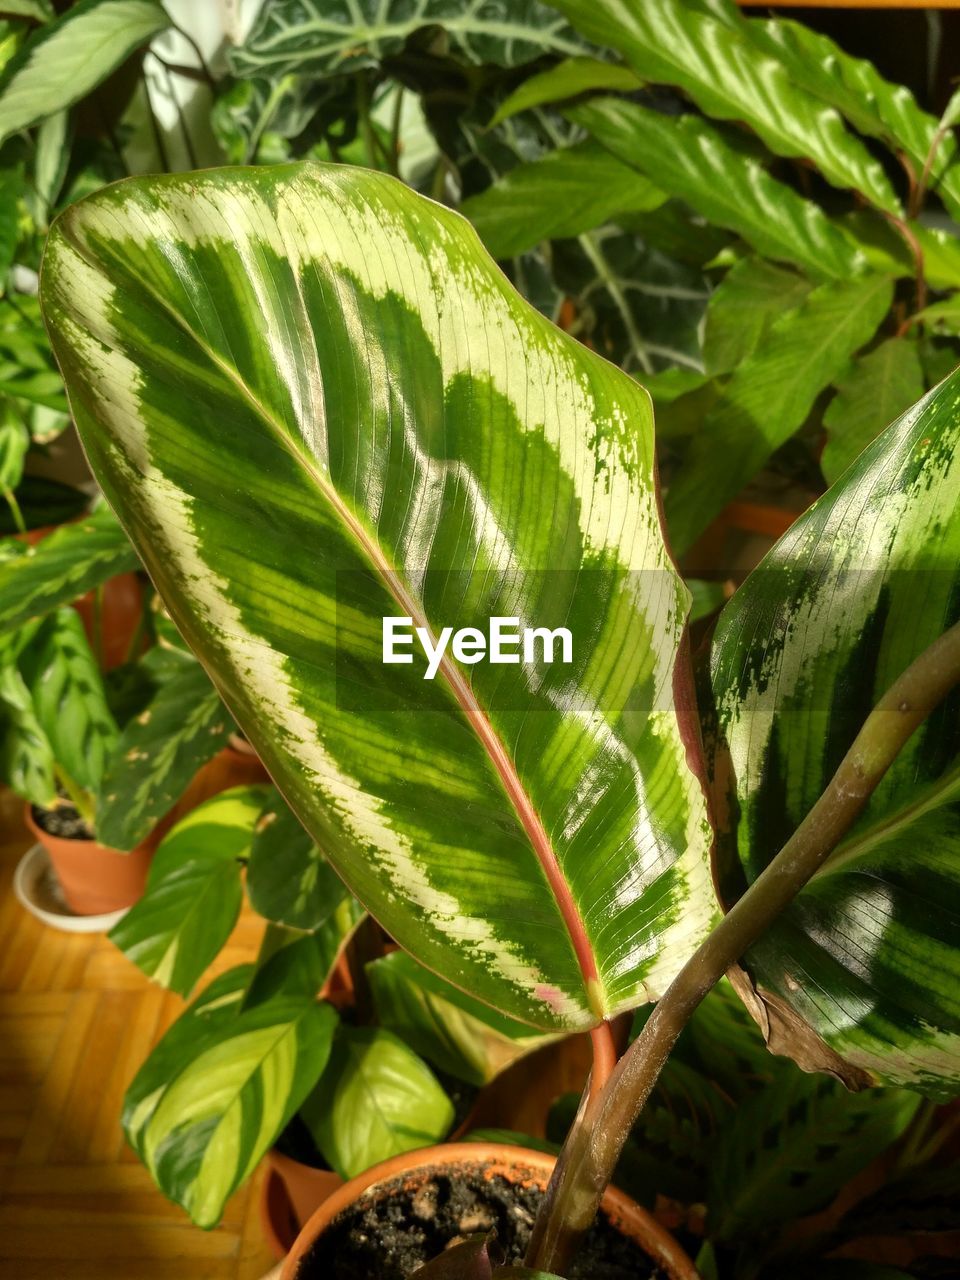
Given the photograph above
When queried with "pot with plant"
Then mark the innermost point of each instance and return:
(460, 652)
(388, 1056)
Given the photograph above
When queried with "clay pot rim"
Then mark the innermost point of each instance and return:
(501, 1158)
(44, 836)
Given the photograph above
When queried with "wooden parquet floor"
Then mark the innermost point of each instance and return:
(76, 1020)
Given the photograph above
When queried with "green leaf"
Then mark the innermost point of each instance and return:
(877, 388)
(50, 166)
(566, 192)
(42, 10)
(184, 725)
(742, 308)
(62, 567)
(376, 1099)
(708, 597)
(193, 891)
(567, 79)
(769, 397)
(64, 61)
(14, 443)
(328, 298)
(788, 1150)
(730, 78)
(220, 1087)
(693, 161)
(461, 1037)
(11, 187)
(872, 104)
(26, 757)
(867, 956)
(332, 37)
(69, 698)
(288, 879)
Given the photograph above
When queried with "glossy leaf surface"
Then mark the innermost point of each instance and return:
(68, 58)
(376, 1099)
(220, 1087)
(868, 954)
(691, 160)
(385, 406)
(675, 42)
(742, 308)
(567, 79)
(193, 891)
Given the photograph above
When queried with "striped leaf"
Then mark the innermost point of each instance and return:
(675, 42)
(331, 37)
(193, 891)
(69, 698)
(868, 956)
(460, 1036)
(769, 397)
(220, 1087)
(404, 436)
(62, 567)
(183, 726)
(566, 192)
(376, 1099)
(872, 104)
(289, 881)
(26, 757)
(69, 57)
(692, 160)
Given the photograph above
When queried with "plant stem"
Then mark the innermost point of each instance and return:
(14, 505)
(78, 797)
(600, 1130)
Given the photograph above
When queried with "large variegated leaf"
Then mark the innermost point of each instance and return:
(675, 42)
(220, 1087)
(691, 160)
(315, 402)
(330, 37)
(869, 954)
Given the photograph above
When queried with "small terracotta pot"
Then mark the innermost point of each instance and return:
(517, 1165)
(292, 1192)
(94, 878)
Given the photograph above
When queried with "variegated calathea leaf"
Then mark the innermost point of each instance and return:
(404, 437)
(220, 1087)
(320, 38)
(862, 973)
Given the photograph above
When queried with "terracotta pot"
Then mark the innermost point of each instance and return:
(291, 1194)
(516, 1164)
(95, 879)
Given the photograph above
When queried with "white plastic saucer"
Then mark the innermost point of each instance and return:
(38, 889)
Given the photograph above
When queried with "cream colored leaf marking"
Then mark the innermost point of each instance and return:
(636, 538)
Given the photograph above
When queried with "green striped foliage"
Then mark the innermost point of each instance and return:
(220, 1087)
(289, 880)
(62, 567)
(867, 956)
(193, 892)
(403, 435)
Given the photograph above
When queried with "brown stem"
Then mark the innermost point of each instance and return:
(916, 250)
(600, 1130)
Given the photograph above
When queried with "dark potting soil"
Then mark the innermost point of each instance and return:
(390, 1236)
(63, 821)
